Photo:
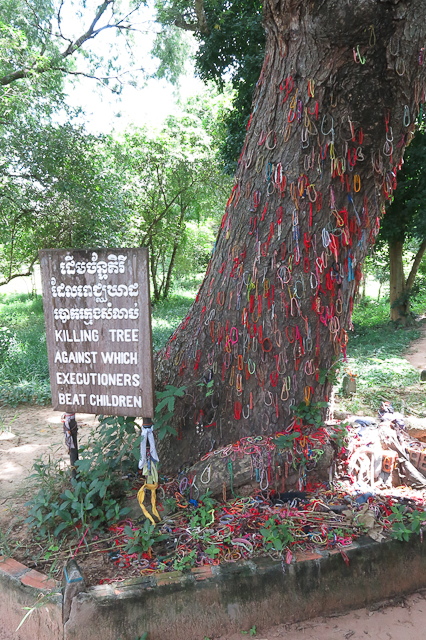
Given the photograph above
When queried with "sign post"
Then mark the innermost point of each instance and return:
(98, 328)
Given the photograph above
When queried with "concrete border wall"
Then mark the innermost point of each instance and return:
(213, 601)
(21, 587)
(234, 597)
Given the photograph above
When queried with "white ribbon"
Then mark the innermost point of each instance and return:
(147, 435)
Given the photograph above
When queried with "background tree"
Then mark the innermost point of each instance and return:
(231, 43)
(318, 164)
(41, 42)
(169, 179)
(54, 191)
(405, 226)
(376, 265)
(58, 190)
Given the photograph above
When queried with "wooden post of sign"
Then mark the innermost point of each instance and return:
(74, 451)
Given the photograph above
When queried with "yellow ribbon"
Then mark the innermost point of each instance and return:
(141, 498)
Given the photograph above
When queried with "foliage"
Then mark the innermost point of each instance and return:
(168, 314)
(141, 540)
(285, 442)
(202, 516)
(164, 410)
(185, 563)
(93, 500)
(276, 536)
(330, 374)
(377, 266)
(406, 216)
(57, 191)
(231, 46)
(310, 414)
(172, 179)
(172, 49)
(42, 41)
(24, 372)
(405, 522)
(339, 435)
(403, 228)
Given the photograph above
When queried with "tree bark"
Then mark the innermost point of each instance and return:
(174, 252)
(333, 109)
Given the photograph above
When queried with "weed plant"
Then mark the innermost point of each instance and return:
(93, 497)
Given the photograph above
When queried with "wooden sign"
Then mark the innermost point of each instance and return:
(98, 326)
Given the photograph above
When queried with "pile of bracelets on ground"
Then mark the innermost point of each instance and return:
(237, 530)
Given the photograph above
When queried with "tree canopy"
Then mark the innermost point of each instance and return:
(169, 178)
(54, 189)
(231, 44)
(405, 217)
(57, 191)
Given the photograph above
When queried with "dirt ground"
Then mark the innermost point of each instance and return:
(404, 620)
(416, 355)
(33, 431)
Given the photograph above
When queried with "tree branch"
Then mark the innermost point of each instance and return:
(415, 267)
(20, 275)
(121, 25)
(201, 24)
(201, 17)
(163, 213)
(186, 26)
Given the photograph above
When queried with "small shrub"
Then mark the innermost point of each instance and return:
(93, 497)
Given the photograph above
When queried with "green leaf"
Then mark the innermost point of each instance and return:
(60, 527)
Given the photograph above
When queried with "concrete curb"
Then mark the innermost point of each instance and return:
(234, 597)
(21, 587)
(213, 601)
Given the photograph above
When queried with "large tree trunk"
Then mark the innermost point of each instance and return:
(333, 109)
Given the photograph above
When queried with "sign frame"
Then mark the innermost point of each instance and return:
(97, 306)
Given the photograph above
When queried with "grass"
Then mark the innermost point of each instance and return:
(375, 356)
(374, 352)
(168, 314)
(24, 371)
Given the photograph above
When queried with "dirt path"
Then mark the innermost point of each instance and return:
(403, 621)
(416, 355)
(33, 431)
